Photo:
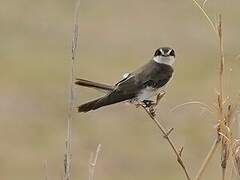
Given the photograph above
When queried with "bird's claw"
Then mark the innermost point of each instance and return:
(150, 106)
(152, 111)
(148, 103)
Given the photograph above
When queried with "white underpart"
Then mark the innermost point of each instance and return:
(169, 60)
(146, 93)
(149, 92)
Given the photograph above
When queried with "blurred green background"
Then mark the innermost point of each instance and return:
(115, 37)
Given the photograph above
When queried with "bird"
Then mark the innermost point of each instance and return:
(136, 87)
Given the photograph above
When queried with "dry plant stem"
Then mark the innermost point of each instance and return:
(237, 158)
(221, 63)
(207, 159)
(93, 162)
(166, 136)
(223, 120)
(210, 109)
(204, 3)
(206, 15)
(221, 117)
(67, 154)
(46, 170)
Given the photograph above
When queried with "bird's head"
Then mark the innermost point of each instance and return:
(164, 55)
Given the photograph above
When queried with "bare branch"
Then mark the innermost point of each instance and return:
(93, 162)
(166, 136)
(169, 132)
(180, 151)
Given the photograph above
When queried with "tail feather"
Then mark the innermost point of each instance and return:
(87, 83)
(88, 106)
(111, 98)
(95, 104)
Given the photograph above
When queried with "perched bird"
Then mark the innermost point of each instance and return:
(138, 86)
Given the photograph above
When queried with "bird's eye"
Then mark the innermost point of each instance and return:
(157, 53)
(172, 53)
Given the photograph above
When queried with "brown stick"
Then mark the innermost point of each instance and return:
(221, 71)
(207, 159)
(93, 162)
(166, 136)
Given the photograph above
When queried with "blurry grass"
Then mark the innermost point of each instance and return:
(34, 68)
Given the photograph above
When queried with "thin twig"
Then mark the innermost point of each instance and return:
(46, 170)
(204, 4)
(210, 109)
(223, 120)
(236, 157)
(166, 136)
(221, 75)
(67, 154)
(93, 162)
(207, 159)
(207, 17)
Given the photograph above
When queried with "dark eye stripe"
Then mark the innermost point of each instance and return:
(164, 51)
(157, 53)
(172, 53)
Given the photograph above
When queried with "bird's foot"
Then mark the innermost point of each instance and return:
(136, 103)
(152, 111)
(150, 105)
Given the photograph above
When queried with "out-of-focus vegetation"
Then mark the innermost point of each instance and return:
(115, 37)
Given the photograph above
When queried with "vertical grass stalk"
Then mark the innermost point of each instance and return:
(67, 153)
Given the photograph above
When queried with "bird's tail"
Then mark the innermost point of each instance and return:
(95, 104)
(88, 106)
(92, 84)
(111, 98)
